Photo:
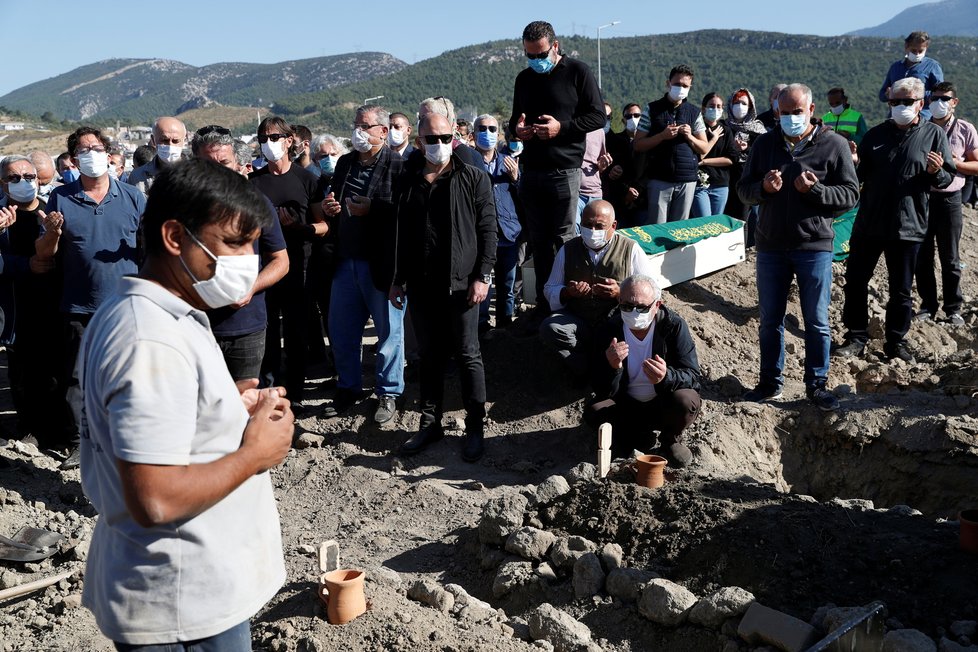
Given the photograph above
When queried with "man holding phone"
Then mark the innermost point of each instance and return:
(556, 103)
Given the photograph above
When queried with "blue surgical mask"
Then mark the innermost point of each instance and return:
(70, 176)
(486, 140)
(607, 126)
(327, 163)
(712, 113)
(515, 147)
(794, 125)
(541, 66)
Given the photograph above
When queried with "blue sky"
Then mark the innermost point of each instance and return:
(45, 39)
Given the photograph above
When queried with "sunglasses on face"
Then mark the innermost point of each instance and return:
(633, 115)
(542, 55)
(903, 101)
(490, 128)
(632, 307)
(940, 98)
(15, 178)
(213, 129)
(264, 138)
(432, 139)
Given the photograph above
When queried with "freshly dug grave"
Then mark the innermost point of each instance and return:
(906, 435)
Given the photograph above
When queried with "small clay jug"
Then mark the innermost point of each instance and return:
(342, 591)
(649, 471)
(968, 537)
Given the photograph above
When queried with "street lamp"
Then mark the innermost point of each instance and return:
(611, 24)
(379, 97)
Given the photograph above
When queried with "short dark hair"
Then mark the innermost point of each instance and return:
(398, 114)
(198, 192)
(275, 121)
(539, 29)
(62, 157)
(682, 69)
(945, 87)
(625, 108)
(143, 155)
(76, 135)
(916, 37)
(838, 90)
(302, 132)
(710, 96)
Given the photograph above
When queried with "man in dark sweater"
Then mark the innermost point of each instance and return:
(556, 102)
(900, 160)
(802, 176)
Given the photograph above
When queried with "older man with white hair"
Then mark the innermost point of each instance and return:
(646, 374)
(169, 138)
(900, 160)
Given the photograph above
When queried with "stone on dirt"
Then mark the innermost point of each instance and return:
(550, 488)
(612, 556)
(468, 607)
(561, 629)
(568, 550)
(500, 516)
(908, 640)
(588, 576)
(583, 471)
(762, 624)
(627, 583)
(530, 543)
(510, 575)
(964, 628)
(308, 440)
(947, 645)
(665, 602)
(728, 602)
(432, 594)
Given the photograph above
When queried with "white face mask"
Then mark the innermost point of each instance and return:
(636, 321)
(678, 93)
(169, 153)
(273, 151)
(361, 141)
(439, 153)
(23, 191)
(395, 137)
(93, 164)
(234, 277)
(940, 110)
(904, 115)
(632, 124)
(837, 109)
(594, 238)
(738, 110)
(914, 57)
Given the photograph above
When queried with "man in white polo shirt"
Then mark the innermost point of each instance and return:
(174, 455)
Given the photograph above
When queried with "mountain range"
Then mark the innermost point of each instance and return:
(945, 18)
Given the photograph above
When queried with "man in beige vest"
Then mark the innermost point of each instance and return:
(583, 286)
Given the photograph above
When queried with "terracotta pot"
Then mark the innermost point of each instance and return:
(968, 538)
(342, 591)
(649, 471)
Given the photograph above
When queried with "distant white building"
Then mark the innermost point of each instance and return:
(11, 126)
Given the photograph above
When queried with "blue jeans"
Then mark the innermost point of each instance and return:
(813, 271)
(236, 639)
(503, 282)
(353, 299)
(709, 201)
(669, 202)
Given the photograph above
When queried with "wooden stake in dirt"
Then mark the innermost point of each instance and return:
(30, 587)
(604, 449)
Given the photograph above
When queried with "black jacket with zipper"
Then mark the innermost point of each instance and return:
(789, 219)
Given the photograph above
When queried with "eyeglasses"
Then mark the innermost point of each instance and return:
(431, 139)
(81, 151)
(213, 129)
(15, 178)
(490, 128)
(632, 307)
(363, 126)
(903, 101)
(633, 115)
(940, 98)
(264, 138)
(542, 55)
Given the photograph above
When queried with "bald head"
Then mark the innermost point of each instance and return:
(44, 165)
(169, 131)
(599, 214)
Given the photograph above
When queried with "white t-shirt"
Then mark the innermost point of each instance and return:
(640, 387)
(157, 391)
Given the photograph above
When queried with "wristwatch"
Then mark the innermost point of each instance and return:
(486, 278)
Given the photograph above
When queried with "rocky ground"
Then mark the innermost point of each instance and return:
(787, 506)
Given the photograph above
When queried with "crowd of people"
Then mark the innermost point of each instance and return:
(168, 316)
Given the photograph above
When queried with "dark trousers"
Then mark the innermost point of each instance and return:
(944, 225)
(287, 299)
(901, 259)
(35, 370)
(550, 203)
(74, 330)
(243, 353)
(633, 422)
(319, 285)
(446, 325)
